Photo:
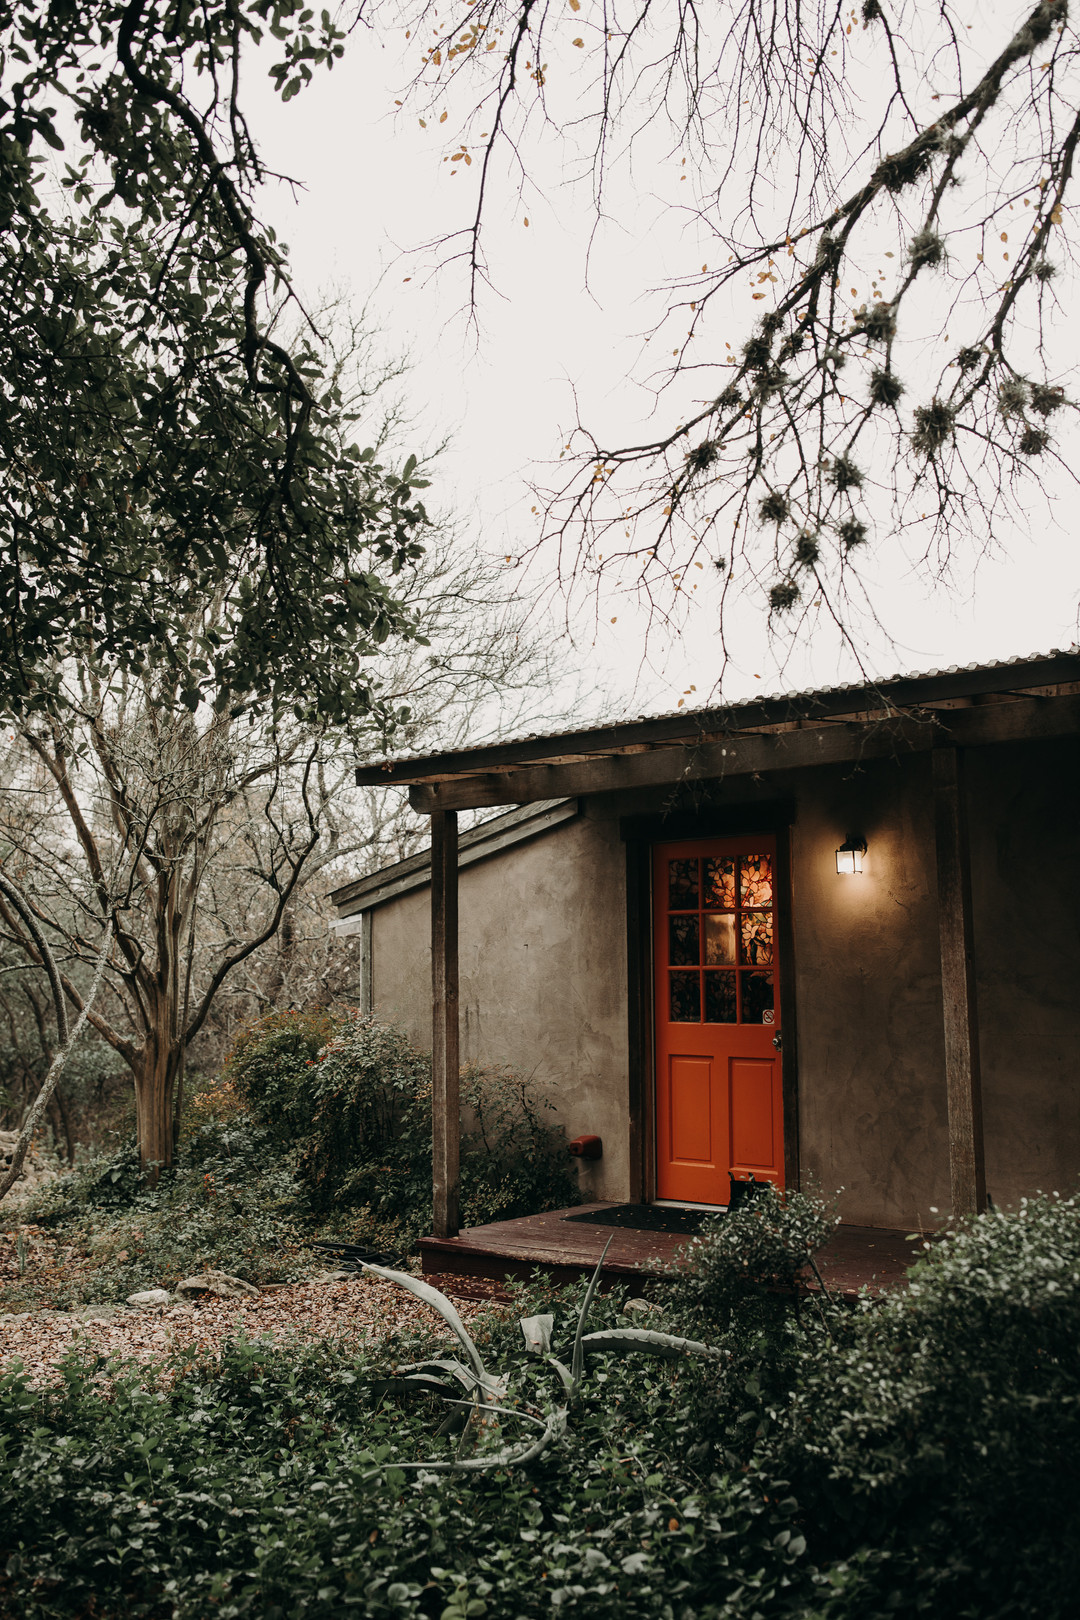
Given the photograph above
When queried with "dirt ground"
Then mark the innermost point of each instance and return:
(361, 1308)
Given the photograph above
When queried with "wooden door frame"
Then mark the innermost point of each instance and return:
(641, 834)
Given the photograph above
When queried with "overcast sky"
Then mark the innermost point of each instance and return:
(376, 189)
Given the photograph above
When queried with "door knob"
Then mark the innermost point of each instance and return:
(778, 1041)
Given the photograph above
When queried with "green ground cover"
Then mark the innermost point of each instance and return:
(914, 1456)
(907, 1456)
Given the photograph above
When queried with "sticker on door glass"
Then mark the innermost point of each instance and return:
(683, 885)
(756, 937)
(685, 998)
(683, 941)
(720, 883)
(757, 997)
(755, 880)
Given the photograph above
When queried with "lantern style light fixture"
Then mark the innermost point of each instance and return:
(849, 857)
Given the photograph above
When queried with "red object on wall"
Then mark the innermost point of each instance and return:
(719, 1106)
(587, 1147)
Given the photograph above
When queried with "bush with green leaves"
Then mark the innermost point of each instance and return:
(939, 1426)
(265, 1485)
(270, 1066)
(320, 1127)
(352, 1096)
(747, 1261)
(913, 1455)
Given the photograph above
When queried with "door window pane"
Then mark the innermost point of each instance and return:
(683, 885)
(755, 880)
(719, 940)
(757, 998)
(683, 941)
(719, 998)
(756, 932)
(685, 998)
(720, 883)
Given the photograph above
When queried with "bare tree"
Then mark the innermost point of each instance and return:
(206, 836)
(885, 195)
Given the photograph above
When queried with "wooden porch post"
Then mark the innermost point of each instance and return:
(967, 1169)
(445, 1059)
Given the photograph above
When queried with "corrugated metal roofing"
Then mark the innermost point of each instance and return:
(745, 707)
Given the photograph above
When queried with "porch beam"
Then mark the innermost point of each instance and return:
(1022, 720)
(445, 1036)
(967, 1168)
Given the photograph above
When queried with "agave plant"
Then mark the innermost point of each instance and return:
(481, 1398)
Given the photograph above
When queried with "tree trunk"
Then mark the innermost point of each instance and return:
(154, 1086)
(61, 1123)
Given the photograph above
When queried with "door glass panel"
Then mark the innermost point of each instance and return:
(757, 998)
(756, 932)
(683, 885)
(755, 880)
(719, 940)
(686, 998)
(683, 941)
(719, 998)
(720, 884)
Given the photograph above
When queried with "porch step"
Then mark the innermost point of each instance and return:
(854, 1257)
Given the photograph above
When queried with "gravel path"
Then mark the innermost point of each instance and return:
(357, 1309)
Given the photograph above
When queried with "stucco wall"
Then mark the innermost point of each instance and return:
(872, 1107)
(1026, 879)
(543, 971)
(542, 932)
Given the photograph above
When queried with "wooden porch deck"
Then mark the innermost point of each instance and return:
(482, 1257)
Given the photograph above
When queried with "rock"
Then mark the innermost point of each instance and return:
(149, 1298)
(218, 1283)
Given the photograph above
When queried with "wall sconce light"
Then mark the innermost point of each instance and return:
(849, 857)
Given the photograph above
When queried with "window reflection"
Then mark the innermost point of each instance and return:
(719, 940)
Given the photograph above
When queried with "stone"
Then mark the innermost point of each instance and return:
(218, 1283)
(150, 1297)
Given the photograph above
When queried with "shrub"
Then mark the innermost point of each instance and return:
(263, 1484)
(369, 1136)
(369, 1144)
(270, 1067)
(940, 1425)
(748, 1258)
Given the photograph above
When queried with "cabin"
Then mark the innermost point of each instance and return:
(828, 938)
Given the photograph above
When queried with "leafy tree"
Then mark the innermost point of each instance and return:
(162, 447)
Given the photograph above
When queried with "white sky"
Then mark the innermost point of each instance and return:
(376, 189)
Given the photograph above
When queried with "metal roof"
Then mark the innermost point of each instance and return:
(895, 693)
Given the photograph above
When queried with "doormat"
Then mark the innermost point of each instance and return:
(645, 1218)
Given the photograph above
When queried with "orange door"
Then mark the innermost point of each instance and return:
(719, 1104)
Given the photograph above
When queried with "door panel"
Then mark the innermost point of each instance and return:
(691, 1110)
(718, 1087)
(752, 1124)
